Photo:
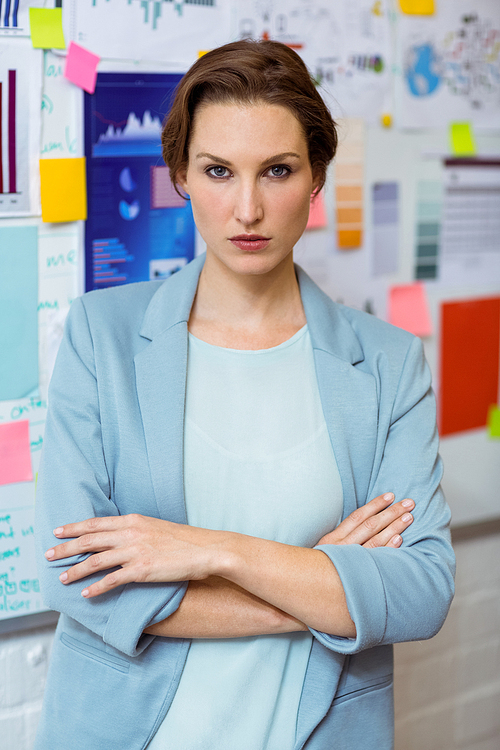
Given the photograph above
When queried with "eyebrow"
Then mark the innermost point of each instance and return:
(271, 160)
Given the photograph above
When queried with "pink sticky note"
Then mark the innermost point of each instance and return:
(317, 213)
(81, 67)
(408, 309)
(15, 455)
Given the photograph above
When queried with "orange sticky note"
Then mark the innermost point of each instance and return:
(63, 189)
(317, 213)
(417, 7)
(408, 308)
(81, 67)
(15, 455)
(349, 238)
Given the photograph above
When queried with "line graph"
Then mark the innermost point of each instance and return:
(143, 25)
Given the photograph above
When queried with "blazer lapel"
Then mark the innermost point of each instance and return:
(348, 394)
(161, 369)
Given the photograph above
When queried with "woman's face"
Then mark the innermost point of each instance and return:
(250, 184)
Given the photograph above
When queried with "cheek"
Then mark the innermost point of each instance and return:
(293, 207)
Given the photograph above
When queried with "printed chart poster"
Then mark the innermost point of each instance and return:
(14, 16)
(449, 65)
(20, 95)
(345, 44)
(160, 30)
(138, 227)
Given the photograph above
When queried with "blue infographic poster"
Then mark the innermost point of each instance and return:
(138, 227)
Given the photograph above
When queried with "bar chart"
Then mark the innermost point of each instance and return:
(20, 81)
(10, 147)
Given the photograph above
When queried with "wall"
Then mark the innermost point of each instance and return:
(447, 689)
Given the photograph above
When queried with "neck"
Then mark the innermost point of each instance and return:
(257, 310)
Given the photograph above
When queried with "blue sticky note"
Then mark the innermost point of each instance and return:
(18, 311)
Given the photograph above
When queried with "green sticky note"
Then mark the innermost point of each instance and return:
(462, 139)
(494, 421)
(46, 28)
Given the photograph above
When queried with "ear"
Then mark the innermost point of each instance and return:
(317, 179)
(181, 179)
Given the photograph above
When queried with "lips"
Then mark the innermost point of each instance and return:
(250, 242)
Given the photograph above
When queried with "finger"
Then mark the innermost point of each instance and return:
(94, 564)
(89, 526)
(360, 515)
(381, 522)
(81, 545)
(391, 535)
(108, 583)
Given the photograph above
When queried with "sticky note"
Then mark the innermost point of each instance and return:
(63, 189)
(408, 308)
(46, 28)
(15, 455)
(81, 67)
(469, 363)
(18, 311)
(417, 7)
(462, 139)
(494, 421)
(317, 213)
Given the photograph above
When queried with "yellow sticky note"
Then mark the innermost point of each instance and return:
(462, 139)
(46, 28)
(494, 421)
(63, 188)
(417, 7)
(202, 52)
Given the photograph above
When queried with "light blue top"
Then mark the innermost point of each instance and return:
(257, 460)
(114, 443)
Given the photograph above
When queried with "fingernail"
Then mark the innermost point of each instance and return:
(406, 517)
(50, 553)
(407, 503)
(85, 592)
(63, 577)
(389, 496)
(58, 531)
(396, 539)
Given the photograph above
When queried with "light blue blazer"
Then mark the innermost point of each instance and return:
(113, 445)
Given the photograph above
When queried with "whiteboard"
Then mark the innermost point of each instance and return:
(472, 461)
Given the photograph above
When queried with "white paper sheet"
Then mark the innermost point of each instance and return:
(14, 16)
(159, 30)
(21, 90)
(449, 65)
(345, 44)
(470, 235)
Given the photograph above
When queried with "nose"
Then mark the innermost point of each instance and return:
(248, 204)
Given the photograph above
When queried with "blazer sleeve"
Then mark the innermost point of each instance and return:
(73, 484)
(402, 594)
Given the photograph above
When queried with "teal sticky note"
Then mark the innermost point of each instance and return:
(18, 311)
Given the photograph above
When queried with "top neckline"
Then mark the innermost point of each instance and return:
(284, 344)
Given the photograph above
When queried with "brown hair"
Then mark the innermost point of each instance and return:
(250, 72)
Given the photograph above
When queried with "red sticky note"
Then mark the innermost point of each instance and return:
(469, 363)
(408, 309)
(317, 213)
(15, 455)
(81, 67)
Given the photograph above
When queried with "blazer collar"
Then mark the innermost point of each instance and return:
(329, 329)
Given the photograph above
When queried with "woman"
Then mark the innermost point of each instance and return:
(238, 398)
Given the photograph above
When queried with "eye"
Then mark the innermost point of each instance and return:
(279, 170)
(217, 171)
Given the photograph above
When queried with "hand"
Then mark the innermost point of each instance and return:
(374, 524)
(144, 549)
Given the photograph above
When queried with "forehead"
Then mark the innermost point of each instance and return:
(229, 130)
